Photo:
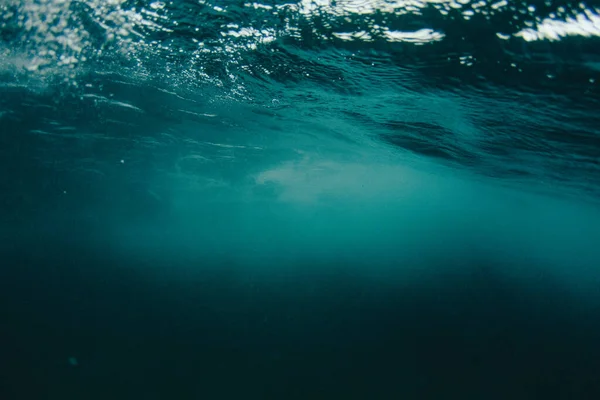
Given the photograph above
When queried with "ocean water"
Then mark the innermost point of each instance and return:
(352, 199)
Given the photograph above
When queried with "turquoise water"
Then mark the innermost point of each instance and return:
(300, 200)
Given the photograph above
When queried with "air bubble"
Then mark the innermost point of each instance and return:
(157, 5)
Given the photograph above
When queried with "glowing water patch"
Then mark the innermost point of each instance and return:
(586, 24)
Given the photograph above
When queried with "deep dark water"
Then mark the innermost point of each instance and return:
(477, 333)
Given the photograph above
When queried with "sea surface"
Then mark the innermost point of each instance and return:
(314, 199)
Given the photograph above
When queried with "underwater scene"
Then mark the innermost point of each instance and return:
(299, 199)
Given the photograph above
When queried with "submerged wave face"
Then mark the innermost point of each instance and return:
(374, 199)
(505, 89)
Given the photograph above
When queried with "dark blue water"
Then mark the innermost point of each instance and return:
(299, 200)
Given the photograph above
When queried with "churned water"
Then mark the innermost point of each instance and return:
(352, 199)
